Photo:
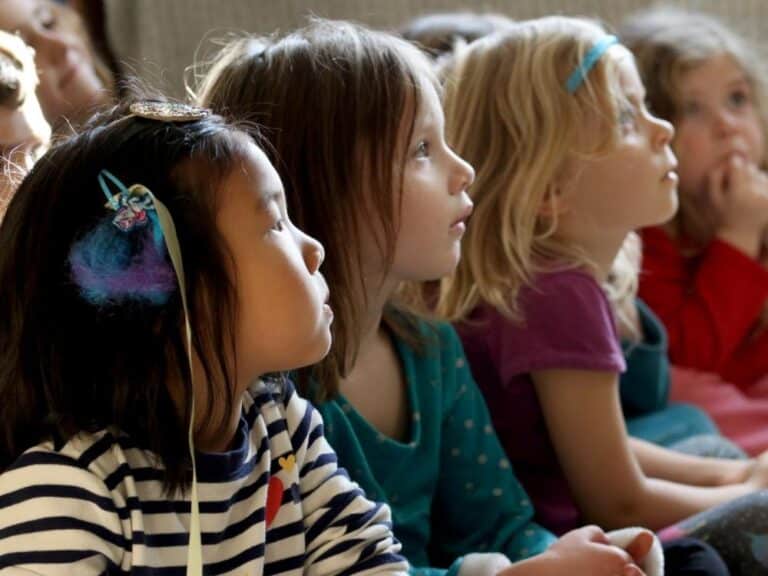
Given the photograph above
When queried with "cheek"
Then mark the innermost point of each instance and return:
(757, 141)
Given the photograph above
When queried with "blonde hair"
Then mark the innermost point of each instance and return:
(669, 42)
(508, 113)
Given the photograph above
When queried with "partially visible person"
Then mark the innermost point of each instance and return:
(24, 132)
(439, 33)
(705, 271)
(74, 81)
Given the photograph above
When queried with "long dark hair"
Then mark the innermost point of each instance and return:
(68, 365)
(334, 101)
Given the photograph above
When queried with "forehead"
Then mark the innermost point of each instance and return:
(16, 14)
(720, 69)
(430, 108)
(628, 75)
(256, 172)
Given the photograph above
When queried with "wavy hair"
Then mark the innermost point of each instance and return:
(508, 113)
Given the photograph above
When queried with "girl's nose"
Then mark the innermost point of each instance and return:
(51, 49)
(725, 123)
(464, 174)
(314, 253)
(664, 131)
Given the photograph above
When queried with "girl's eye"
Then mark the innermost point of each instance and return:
(422, 149)
(279, 225)
(738, 98)
(47, 20)
(627, 117)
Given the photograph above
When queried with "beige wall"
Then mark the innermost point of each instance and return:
(159, 38)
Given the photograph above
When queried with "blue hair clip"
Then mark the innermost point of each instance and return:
(131, 204)
(590, 59)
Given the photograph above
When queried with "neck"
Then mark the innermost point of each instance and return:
(209, 436)
(377, 291)
(601, 248)
(209, 440)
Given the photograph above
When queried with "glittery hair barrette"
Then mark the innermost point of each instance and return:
(168, 111)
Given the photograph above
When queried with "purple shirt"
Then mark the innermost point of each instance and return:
(567, 324)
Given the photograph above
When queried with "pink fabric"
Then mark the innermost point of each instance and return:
(741, 416)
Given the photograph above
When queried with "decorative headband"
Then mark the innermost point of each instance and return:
(590, 59)
(124, 258)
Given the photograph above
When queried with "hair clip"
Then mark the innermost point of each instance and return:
(168, 111)
(131, 204)
(590, 59)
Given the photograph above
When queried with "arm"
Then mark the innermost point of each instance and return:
(345, 532)
(658, 462)
(707, 313)
(584, 419)
(57, 519)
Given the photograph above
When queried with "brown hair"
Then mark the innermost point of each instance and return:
(669, 42)
(336, 101)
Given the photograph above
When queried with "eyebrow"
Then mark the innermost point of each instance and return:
(740, 79)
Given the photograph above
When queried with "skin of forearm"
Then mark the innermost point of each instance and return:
(658, 462)
(661, 503)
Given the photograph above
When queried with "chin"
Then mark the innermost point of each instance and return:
(321, 349)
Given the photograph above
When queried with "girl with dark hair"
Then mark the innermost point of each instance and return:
(139, 431)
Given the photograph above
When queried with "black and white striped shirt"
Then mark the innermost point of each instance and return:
(275, 504)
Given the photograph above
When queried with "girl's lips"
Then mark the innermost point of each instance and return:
(462, 220)
(671, 175)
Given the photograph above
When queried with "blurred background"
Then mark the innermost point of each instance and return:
(158, 39)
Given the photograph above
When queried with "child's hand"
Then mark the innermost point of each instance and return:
(587, 551)
(738, 195)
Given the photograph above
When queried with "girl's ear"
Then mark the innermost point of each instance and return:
(552, 204)
(555, 201)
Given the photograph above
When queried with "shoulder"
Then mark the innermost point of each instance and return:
(87, 458)
(438, 343)
(567, 322)
(559, 301)
(57, 489)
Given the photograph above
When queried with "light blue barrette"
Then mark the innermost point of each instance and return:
(590, 59)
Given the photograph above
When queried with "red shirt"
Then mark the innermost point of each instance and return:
(709, 304)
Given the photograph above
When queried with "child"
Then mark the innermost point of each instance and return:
(113, 353)
(73, 78)
(704, 271)
(367, 170)
(440, 33)
(569, 162)
(24, 133)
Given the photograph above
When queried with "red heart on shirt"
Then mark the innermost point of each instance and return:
(274, 498)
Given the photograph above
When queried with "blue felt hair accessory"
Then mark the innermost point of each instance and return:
(124, 257)
(590, 59)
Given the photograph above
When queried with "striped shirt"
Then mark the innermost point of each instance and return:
(275, 504)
